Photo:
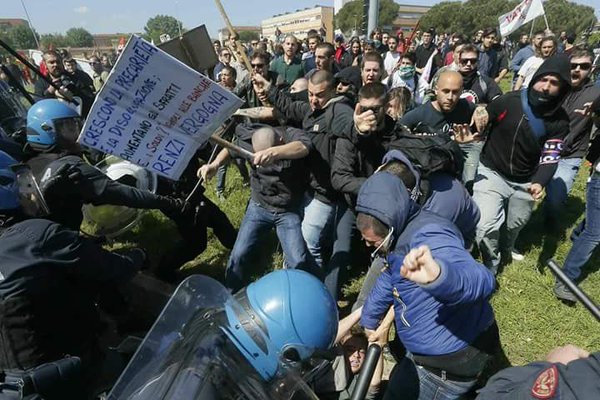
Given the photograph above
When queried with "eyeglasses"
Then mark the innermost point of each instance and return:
(582, 66)
(257, 65)
(465, 61)
(384, 244)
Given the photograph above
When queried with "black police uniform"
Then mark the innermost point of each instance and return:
(50, 278)
(90, 185)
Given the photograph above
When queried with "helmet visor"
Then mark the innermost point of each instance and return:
(30, 196)
(68, 128)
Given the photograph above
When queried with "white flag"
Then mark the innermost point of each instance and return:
(520, 15)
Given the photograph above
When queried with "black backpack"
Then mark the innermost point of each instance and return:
(429, 151)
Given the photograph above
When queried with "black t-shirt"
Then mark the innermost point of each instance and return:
(437, 121)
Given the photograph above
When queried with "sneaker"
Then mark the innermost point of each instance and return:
(563, 293)
(516, 256)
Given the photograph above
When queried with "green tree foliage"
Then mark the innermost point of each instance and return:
(53, 40)
(162, 24)
(467, 17)
(20, 37)
(247, 36)
(351, 15)
(79, 37)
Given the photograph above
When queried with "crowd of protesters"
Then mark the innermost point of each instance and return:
(409, 143)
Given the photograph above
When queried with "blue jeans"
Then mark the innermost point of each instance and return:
(222, 173)
(471, 151)
(325, 225)
(559, 187)
(255, 225)
(499, 201)
(412, 382)
(587, 235)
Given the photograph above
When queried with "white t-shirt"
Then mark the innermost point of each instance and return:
(529, 68)
(390, 61)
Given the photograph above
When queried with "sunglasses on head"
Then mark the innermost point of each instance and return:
(465, 61)
(583, 66)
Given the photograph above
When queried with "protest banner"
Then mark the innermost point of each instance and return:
(155, 111)
(194, 48)
(524, 12)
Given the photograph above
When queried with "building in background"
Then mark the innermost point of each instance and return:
(6, 23)
(408, 16)
(300, 22)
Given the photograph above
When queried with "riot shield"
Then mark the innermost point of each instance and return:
(110, 220)
(188, 355)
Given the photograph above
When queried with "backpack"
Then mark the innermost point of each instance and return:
(430, 151)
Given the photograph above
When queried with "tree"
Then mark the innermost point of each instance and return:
(350, 16)
(162, 24)
(79, 37)
(248, 36)
(21, 37)
(52, 41)
(472, 15)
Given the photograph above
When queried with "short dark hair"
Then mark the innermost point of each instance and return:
(52, 53)
(410, 55)
(401, 170)
(570, 38)
(366, 221)
(231, 70)
(539, 32)
(329, 49)
(321, 76)
(579, 52)
(469, 48)
(264, 57)
(373, 56)
(373, 90)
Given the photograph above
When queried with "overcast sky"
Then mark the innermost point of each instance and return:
(111, 16)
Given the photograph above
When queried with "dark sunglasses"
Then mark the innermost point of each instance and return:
(375, 109)
(465, 61)
(257, 65)
(583, 66)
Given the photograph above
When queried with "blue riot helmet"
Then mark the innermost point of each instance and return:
(9, 188)
(286, 315)
(51, 120)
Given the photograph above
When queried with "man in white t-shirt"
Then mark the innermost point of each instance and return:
(391, 57)
(529, 67)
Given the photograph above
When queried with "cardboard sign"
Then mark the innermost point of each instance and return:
(154, 111)
(194, 48)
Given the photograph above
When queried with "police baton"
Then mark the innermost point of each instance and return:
(366, 372)
(576, 290)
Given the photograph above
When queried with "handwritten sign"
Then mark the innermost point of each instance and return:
(520, 15)
(155, 111)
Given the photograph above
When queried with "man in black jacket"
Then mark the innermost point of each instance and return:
(324, 118)
(277, 187)
(526, 134)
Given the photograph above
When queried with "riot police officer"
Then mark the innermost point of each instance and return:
(50, 282)
(210, 345)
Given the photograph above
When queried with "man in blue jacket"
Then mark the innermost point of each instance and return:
(439, 293)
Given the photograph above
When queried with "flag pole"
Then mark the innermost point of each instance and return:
(546, 19)
(531, 30)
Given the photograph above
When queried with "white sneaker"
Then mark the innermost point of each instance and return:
(516, 256)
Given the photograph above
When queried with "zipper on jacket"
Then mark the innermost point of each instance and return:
(512, 149)
(404, 307)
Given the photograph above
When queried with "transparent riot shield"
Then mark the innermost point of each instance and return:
(111, 220)
(188, 355)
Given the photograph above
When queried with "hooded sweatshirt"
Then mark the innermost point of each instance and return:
(447, 198)
(512, 148)
(445, 315)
